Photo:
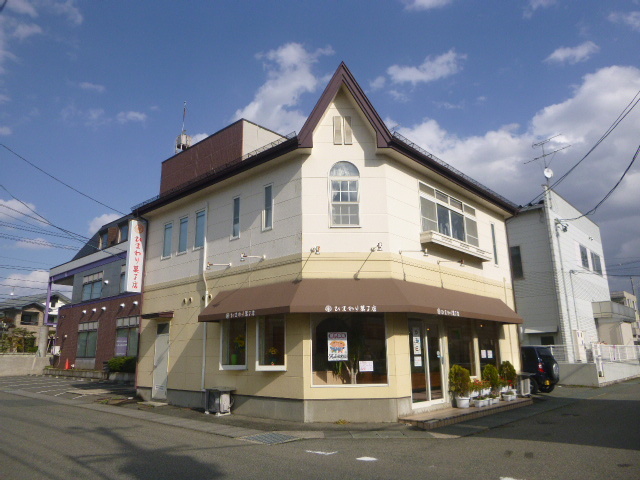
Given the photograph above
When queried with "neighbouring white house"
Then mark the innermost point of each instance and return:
(336, 273)
(560, 279)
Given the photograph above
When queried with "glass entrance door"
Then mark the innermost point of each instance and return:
(426, 362)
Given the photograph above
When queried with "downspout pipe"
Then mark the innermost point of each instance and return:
(206, 299)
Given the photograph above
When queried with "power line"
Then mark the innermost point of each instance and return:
(6, 236)
(626, 111)
(593, 210)
(60, 181)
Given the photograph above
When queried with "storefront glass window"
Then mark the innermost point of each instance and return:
(349, 349)
(271, 341)
(460, 341)
(488, 344)
(234, 342)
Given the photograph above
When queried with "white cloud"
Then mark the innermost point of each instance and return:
(573, 55)
(97, 222)
(66, 8)
(430, 70)
(425, 4)
(631, 19)
(13, 208)
(93, 87)
(535, 5)
(198, 137)
(23, 284)
(23, 7)
(5, 131)
(399, 96)
(378, 83)
(289, 76)
(497, 157)
(4, 98)
(24, 30)
(126, 117)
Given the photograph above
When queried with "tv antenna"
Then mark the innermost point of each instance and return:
(547, 172)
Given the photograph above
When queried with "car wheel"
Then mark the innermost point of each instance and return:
(547, 388)
(555, 372)
(533, 386)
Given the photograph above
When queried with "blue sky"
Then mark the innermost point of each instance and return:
(92, 92)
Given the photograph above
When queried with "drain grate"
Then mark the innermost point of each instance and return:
(270, 438)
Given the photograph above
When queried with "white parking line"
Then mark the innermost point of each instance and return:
(53, 390)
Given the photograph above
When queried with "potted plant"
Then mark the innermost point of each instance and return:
(508, 374)
(238, 350)
(460, 385)
(492, 377)
(479, 388)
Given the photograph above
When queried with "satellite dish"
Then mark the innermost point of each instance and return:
(548, 173)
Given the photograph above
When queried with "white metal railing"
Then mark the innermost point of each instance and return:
(597, 352)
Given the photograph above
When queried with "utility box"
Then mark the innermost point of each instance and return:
(524, 384)
(218, 400)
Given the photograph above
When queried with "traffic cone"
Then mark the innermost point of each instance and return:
(66, 364)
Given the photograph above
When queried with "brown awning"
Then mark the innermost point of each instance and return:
(354, 296)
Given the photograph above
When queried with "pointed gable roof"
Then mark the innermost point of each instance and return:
(343, 77)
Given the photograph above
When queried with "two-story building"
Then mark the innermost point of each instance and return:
(101, 321)
(559, 273)
(37, 314)
(332, 274)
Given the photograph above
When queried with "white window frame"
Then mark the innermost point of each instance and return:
(266, 208)
(332, 203)
(581, 260)
(236, 201)
(200, 214)
(223, 333)
(467, 212)
(167, 242)
(183, 235)
(270, 368)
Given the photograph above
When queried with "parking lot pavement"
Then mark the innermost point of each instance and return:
(81, 390)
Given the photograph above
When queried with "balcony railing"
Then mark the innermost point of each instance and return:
(447, 241)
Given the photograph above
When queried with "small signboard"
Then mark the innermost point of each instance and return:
(337, 346)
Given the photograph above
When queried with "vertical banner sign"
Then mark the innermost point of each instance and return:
(337, 346)
(135, 256)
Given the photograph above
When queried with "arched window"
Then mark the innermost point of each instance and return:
(343, 179)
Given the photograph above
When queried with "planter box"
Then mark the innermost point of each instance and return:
(462, 402)
(508, 397)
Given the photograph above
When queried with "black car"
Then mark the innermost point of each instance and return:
(544, 370)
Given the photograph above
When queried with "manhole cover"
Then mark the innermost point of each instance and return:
(270, 438)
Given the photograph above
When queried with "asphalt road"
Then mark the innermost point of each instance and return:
(592, 434)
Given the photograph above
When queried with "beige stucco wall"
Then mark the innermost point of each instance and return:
(389, 214)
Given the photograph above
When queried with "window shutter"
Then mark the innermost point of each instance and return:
(348, 133)
(337, 130)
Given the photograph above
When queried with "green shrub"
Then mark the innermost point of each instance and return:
(508, 373)
(490, 374)
(122, 364)
(459, 381)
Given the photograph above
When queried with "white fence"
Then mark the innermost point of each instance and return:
(598, 352)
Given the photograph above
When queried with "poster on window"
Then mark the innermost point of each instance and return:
(337, 346)
(417, 343)
(366, 366)
(121, 346)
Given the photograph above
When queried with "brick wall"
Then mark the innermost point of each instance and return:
(70, 317)
(204, 156)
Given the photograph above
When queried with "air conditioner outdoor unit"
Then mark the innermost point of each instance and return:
(218, 400)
